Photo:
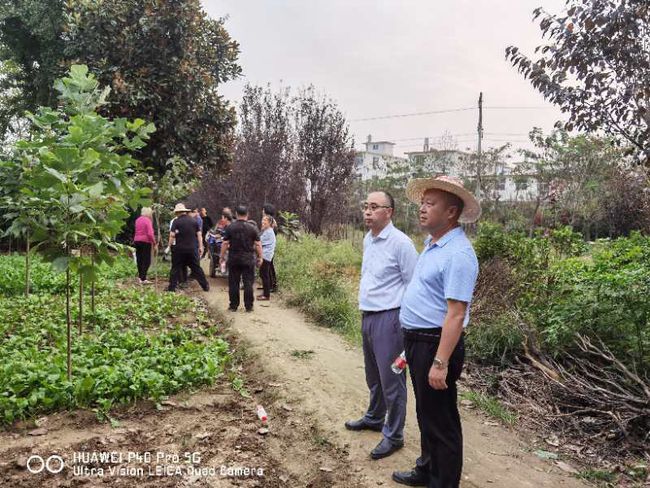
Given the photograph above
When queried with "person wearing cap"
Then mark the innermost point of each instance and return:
(389, 258)
(434, 313)
(185, 232)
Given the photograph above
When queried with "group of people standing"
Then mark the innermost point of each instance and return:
(233, 242)
(412, 305)
(418, 305)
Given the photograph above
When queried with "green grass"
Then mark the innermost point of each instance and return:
(491, 406)
(321, 278)
(597, 476)
(140, 345)
(302, 354)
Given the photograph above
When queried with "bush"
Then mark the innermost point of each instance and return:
(495, 341)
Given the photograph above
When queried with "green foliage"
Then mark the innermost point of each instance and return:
(563, 292)
(289, 225)
(31, 49)
(495, 341)
(140, 348)
(573, 67)
(45, 279)
(165, 63)
(75, 176)
(491, 406)
(322, 277)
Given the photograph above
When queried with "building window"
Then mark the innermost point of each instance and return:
(375, 147)
(501, 183)
(521, 185)
(375, 162)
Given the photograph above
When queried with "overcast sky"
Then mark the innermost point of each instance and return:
(392, 57)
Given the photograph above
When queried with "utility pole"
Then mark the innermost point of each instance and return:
(479, 155)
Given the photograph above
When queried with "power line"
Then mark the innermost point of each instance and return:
(433, 112)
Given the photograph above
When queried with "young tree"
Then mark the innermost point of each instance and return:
(77, 166)
(596, 67)
(573, 174)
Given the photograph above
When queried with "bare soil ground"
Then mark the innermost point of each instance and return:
(308, 379)
(323, 377)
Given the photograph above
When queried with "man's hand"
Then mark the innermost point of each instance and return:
(438, 378)
(259, 262)
(200, 251)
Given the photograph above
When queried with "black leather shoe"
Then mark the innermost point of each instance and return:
(361, 425)
(415, 477)
(385, 448)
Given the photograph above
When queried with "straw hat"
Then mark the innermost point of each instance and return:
(180, 207)
(418, 186)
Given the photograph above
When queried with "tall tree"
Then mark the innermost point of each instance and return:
(596, 67)
(31, 50)
(325, 149)
(164, 60)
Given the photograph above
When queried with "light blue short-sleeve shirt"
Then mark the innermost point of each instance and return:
(387, 267)
(268, 244)
(446, 270)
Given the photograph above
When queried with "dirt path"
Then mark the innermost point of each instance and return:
(322, 377)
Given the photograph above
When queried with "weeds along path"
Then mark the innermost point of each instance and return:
(322, 378)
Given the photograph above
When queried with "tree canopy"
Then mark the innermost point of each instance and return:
(164, 61)
(596, 67)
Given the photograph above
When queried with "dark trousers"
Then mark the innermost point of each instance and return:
(143, 257)
(182, 259)
(245, 271)
(214, 258)
(274, 278)
(441, 435)
(265, 274)
(382, 343)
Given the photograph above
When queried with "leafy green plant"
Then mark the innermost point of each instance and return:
(140, 348)
(289, 225)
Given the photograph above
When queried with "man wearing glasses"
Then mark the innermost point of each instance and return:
(389, 259)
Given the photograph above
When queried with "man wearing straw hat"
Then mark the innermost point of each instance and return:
(434, 312)
(185, 231)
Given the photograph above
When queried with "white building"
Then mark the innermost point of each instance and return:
(375, 160)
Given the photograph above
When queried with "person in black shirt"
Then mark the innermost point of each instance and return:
(186, 233)
(242, 242)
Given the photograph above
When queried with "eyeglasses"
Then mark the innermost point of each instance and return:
(372, 206)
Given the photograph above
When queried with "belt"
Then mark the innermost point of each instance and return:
(422, 335)
(367, 313)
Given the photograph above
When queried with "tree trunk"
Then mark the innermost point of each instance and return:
(81, 303)
(27, 266)
(92, 286)
(68, 320)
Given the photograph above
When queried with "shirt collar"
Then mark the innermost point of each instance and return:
(445, 238)
(384, 232)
